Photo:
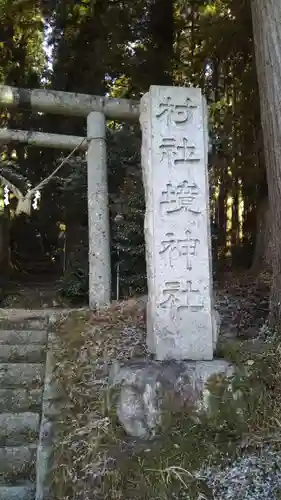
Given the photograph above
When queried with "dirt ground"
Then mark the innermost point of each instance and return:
(37, 294)
(241, 300)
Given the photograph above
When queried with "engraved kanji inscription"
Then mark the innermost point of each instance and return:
(179, 294)
(177, 114)
(179, 198)
(169, 336)
(176, 248)
(178, 155)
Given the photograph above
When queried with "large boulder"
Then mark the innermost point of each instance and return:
(143, 389)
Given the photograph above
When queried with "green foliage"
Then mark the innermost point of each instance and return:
(202, 43)
(126, 202)
(22, 57)
(127, 210)
(128, 241)
(74, 284)
(73, 191)
(120, 49)
(11, 172)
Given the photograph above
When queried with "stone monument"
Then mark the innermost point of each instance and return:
(180, 320)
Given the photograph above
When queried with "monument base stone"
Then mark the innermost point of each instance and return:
(143, 386)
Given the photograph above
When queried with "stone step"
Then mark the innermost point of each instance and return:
(17, 462)
(39, 319)
(22, 319)
(23, 337)
(24, 492)
(29, 375)
(20, 400)
(31, 353)
(19, 428)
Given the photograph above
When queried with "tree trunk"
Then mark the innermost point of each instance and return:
(161, 27)
(262, 258)
(266, 15)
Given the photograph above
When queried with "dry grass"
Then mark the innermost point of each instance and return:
(93, 457)
(87, 344)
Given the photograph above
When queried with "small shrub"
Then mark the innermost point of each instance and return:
(74, 284)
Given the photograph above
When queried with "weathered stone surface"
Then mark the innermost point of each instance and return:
(180, 322)
(18, 428)
(22, 319)
(32, 319)
(216, 324)
(23, 323)
(20, 399)
(69, 104)
(50, 408)
(44, 459)
(23, 351)
(31, 353)
(143, 386)
(18, 460)
(25, 492)
(27, 375)
(23, 337)
(98, 214)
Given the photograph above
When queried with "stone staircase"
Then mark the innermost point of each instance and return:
(23, 342)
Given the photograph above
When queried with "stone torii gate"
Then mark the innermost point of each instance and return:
(180, 319)
(95, 109)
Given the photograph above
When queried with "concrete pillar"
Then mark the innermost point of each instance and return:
(98, 213)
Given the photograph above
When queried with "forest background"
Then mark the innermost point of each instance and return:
(119, 48)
